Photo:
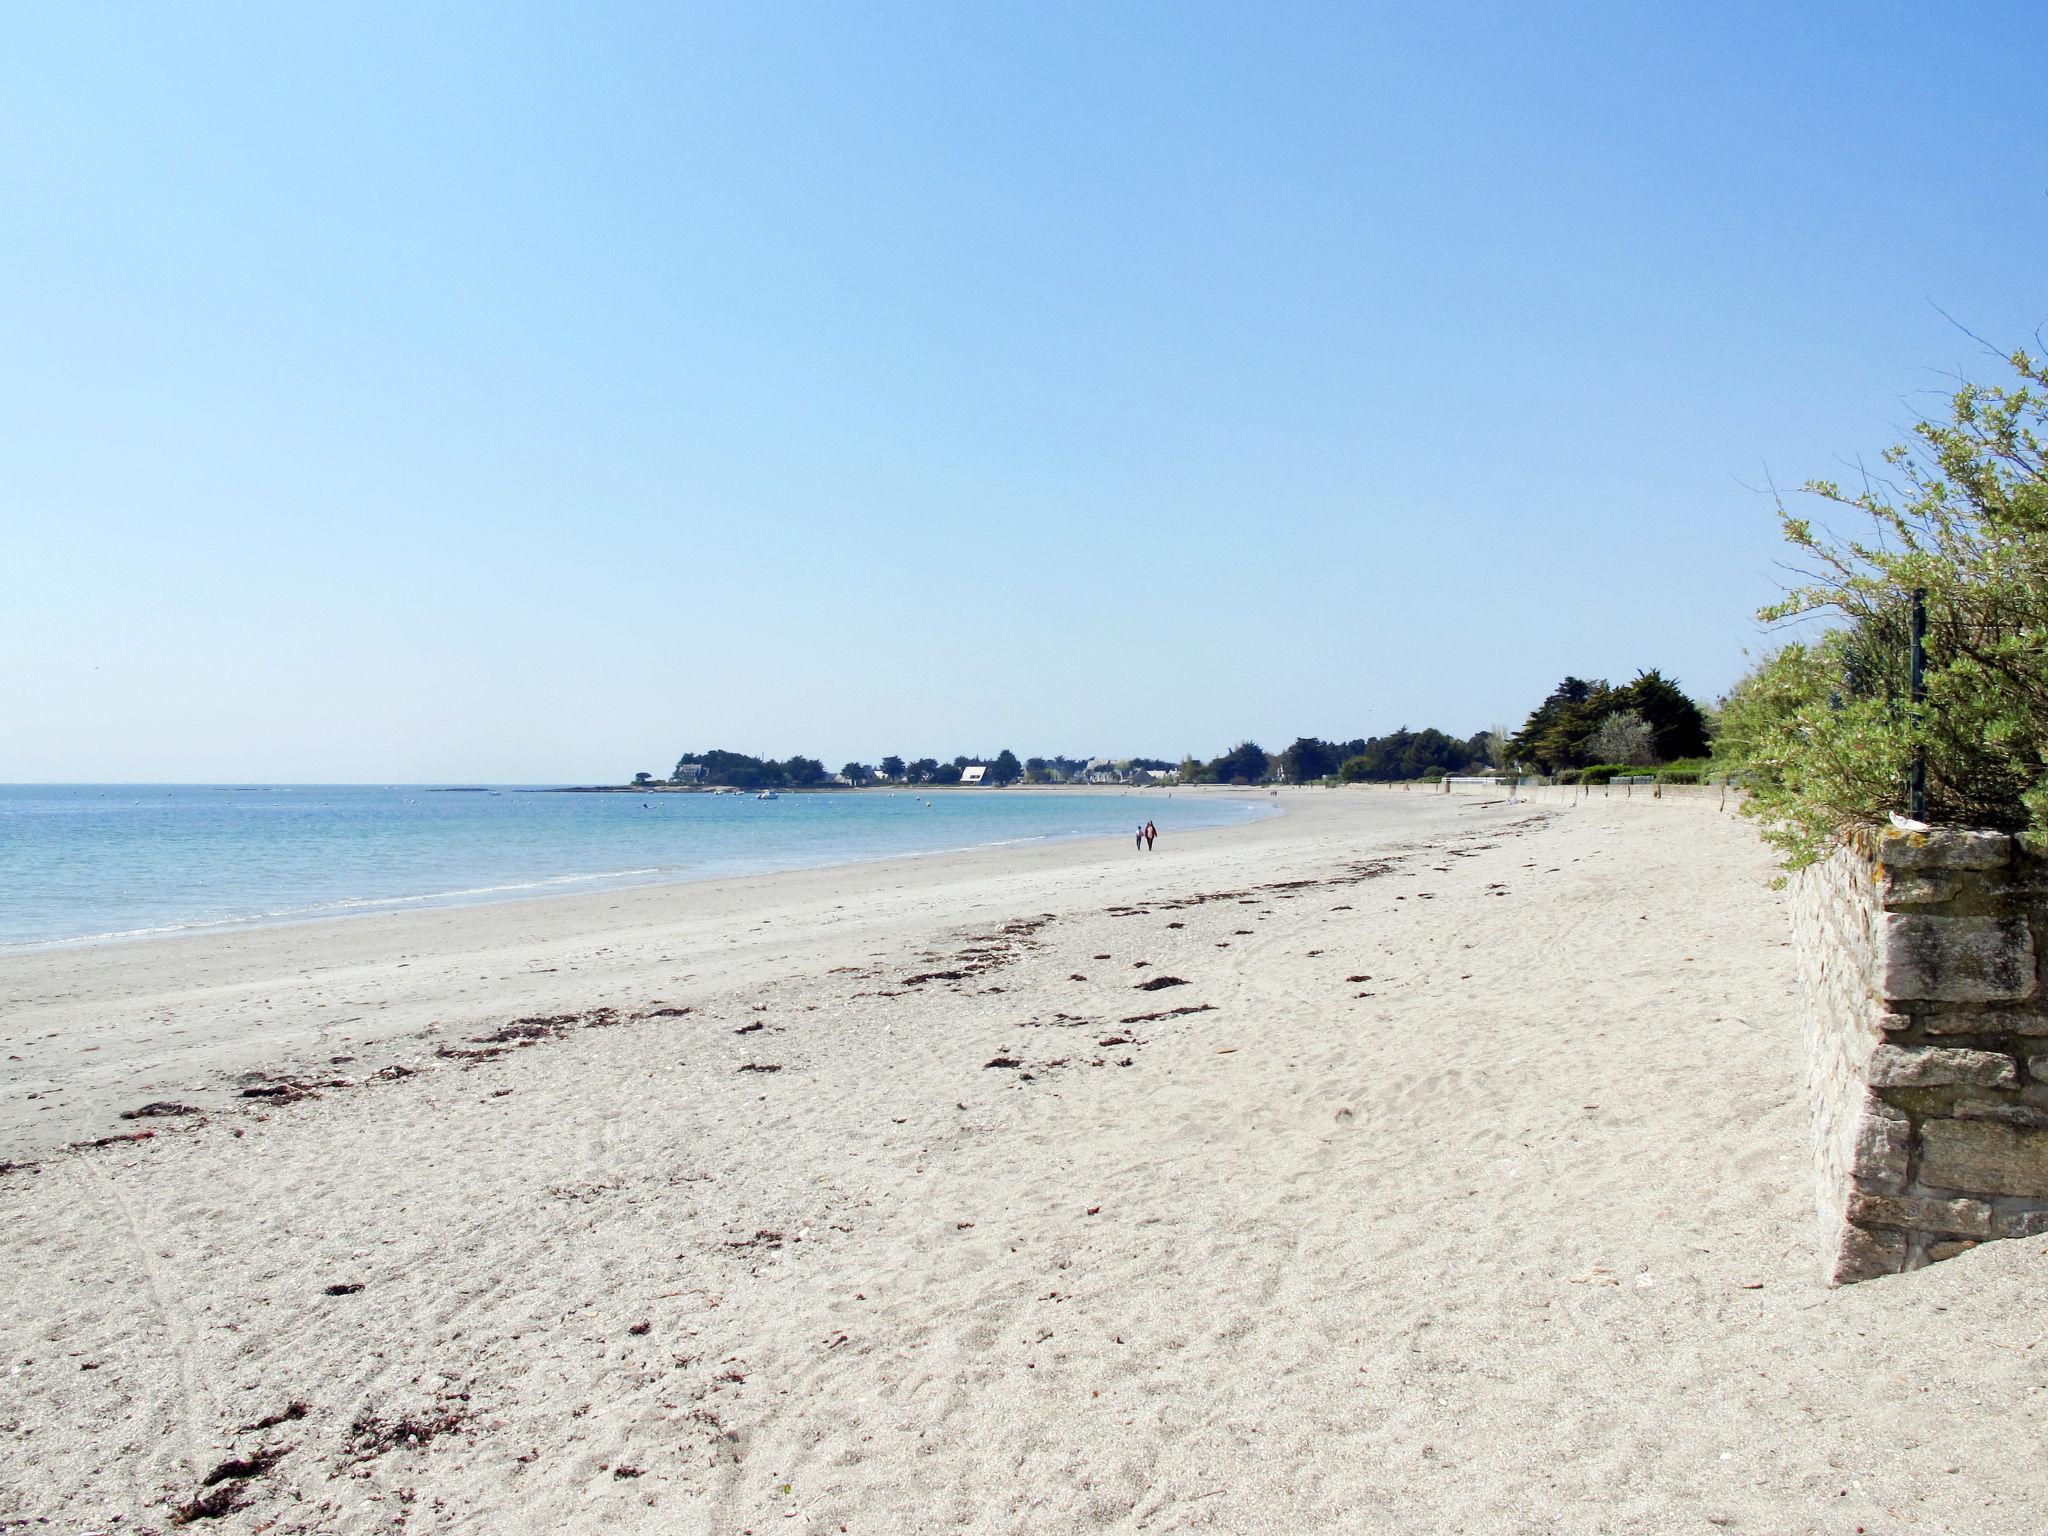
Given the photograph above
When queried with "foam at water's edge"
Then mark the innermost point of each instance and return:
(726, 862)
(347, 906)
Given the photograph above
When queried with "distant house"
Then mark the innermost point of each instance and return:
(974, 773)
(1102, 770)
(688, 773)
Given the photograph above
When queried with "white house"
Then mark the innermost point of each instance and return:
(688, 773)
(974, 773)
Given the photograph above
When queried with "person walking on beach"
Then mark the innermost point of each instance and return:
(1141, 840)
(1151, 834)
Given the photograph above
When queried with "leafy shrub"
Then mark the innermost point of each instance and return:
(1623, 736)
(1600, 773)
(1678, 776)
(1814, 752)
(1570, 775)
(1823, 731)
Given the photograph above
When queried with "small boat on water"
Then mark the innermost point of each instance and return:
(767, 794)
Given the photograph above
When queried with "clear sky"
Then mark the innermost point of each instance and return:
(525, 393)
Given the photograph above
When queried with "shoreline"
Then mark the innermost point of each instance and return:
(172, 1011)
(354, 909)
(836, 789)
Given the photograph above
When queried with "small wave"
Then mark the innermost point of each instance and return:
(713, 868)
(357, 903)
(345, 906)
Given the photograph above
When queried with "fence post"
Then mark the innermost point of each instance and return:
(1916, 783)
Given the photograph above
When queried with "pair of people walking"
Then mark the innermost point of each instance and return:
(1147, 835)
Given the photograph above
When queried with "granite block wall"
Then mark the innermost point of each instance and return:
(1925, 1003)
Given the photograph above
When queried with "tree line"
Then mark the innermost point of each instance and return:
(740, 770)
(1003, 768)
(1580, 725)
(1399, 755)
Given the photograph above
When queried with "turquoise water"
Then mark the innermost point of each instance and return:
(81, 861)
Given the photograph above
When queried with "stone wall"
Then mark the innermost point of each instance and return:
(1921, 969)
(1721, 796)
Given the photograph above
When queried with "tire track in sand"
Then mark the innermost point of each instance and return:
(171, 1312)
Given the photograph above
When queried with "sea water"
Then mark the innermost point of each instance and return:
(99, 862)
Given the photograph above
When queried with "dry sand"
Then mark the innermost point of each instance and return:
(1472, 1194)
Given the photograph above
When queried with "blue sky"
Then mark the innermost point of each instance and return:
(533, 393)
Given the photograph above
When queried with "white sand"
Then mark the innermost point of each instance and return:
(1520, 1241)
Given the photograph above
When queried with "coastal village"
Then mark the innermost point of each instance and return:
(966, 773)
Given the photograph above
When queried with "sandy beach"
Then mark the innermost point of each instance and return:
(1407, 1162)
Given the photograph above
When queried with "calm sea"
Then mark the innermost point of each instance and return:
(80, 862)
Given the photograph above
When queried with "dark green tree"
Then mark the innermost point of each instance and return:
(1005, 769)
(1401, 755)
(1245, 763)
(1675, 721)
(1554, 735)
(801, 771)
(735, 768)
(892, 767)
(1308, 759)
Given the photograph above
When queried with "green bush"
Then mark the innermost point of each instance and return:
(1600, 773)
(1678, 776)
(1570, 775)
(1823, 731)
(1814, 753)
